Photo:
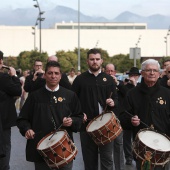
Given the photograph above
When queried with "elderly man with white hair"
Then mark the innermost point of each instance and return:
(147, 113)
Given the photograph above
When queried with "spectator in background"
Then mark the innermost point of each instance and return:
(165, 80)
(35, 80)
(118, 155)
(24, 93)
(164, 65)
(132, 82)
(72, 75)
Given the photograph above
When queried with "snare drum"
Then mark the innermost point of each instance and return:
(154, 143)
(104, 128)
(57, 151)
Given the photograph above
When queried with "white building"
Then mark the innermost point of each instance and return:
(116, 38)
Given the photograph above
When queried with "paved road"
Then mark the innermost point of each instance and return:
(18, 161)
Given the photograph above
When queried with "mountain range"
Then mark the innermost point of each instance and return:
(28, 17)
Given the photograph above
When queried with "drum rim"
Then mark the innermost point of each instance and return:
(46, 136)
(95, 119)
(149, 148)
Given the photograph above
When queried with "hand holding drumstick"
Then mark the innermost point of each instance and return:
(135, 121)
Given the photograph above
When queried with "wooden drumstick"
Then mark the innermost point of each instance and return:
(140, 120)
(106, 106)
(58, 128)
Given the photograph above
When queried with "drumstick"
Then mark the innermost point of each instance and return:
(140, 120)
(106, 106)
(58, 128)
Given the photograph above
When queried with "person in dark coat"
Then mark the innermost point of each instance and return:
(147, 106)
(94, 89)
(36, 79)
(118, 155)
(11, 86)
(47, 109)
(165, 80)
(2, 147)
(132, 82)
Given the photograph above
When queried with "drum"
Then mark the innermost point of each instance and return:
(58, 150)
(150, 143)
(104, 128)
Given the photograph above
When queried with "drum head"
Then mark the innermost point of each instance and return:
(47, 142)
(98, 122)
(155, 140)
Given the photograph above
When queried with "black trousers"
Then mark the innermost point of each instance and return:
(4, 162)
(90, 152)
(2, 143)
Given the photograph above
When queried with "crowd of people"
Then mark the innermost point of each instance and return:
(49, 100)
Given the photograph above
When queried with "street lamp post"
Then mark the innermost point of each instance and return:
(166, 41)
(34, 33)
(79, 66)
(39, 18)
(136, 51)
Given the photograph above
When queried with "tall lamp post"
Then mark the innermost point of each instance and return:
(79, 66)
(39, 18)
(166, 41)
(137, 50)
(34, 33)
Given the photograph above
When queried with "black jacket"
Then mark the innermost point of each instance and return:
(30, 85)
(11, 86)
(37, 113)
(151, 104)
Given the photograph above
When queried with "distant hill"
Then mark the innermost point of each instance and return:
(28, 16)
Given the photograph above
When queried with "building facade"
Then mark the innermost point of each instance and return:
(116, 38)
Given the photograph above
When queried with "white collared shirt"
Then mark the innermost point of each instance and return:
(94, 74)
(56, 89)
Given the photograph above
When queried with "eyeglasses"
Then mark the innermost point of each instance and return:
(150, 71)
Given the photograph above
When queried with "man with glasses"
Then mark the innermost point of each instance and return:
(35, 80)
(148, 105)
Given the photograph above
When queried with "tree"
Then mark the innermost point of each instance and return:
(26, 59)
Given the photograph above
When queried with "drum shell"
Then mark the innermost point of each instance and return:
(59, 154)
(107, 133)
(159, 158)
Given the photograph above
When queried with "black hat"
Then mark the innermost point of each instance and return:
(134, 70)
(1, 55)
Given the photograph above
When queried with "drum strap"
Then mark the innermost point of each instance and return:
(52, 111)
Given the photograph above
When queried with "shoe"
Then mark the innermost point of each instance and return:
(129, 162)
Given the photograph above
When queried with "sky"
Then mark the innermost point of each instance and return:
(106, 8)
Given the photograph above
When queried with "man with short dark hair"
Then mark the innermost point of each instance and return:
(94, 88)
(47, 109)
(35, 80)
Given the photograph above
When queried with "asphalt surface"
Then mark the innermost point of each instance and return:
(18, 161)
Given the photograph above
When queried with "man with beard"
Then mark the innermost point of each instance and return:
(94, 89)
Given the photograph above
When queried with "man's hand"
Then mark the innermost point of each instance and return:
(135, 121)
(30, 134)
(39, 71)
(110, 102)
(67, 121)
